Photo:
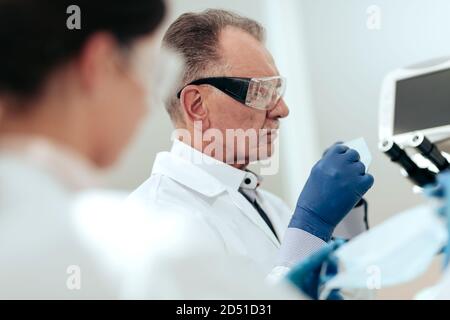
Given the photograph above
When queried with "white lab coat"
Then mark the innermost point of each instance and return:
(209, 189)
(39, 247)
(61, 240)
(176, 182)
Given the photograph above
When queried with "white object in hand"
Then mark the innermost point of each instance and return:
(360, 145)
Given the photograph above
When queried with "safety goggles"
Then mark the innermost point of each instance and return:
(157, 69)
(258, 93)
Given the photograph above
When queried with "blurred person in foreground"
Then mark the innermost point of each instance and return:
(70, 101)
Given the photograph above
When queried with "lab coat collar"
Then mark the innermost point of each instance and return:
(66, 165)
(200, 172)
(210, 177)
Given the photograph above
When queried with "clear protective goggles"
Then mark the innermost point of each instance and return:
(158, 69)
(258, 93)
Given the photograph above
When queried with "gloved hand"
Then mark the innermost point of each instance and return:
(307, 276)
(336, 184)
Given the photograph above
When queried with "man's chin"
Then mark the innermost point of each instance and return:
(261, 154)
(266, 156)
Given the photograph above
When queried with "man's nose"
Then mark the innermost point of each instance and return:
(281, 110)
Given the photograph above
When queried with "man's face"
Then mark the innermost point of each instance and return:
(245, 57)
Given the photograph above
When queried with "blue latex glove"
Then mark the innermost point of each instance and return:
(307, 276)
(336, 184)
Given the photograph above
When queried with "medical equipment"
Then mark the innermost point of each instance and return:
(416, 98)
(419, 176)
(415, 116)
(430, 151)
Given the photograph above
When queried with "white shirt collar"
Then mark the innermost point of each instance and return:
(206, 174)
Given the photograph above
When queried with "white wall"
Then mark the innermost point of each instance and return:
(298, 134)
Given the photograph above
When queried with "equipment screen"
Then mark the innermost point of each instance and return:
(422, 102)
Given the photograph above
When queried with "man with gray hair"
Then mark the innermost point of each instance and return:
(227, 111)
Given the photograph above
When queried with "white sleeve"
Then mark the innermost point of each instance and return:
(296, 246)
(299, 244)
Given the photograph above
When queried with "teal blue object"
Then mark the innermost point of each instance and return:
(442, 191)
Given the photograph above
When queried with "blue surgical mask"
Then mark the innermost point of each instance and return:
(392, 253)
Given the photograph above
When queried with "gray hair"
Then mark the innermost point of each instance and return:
(195, 37)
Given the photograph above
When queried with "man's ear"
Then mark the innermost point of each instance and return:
(193, 104)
